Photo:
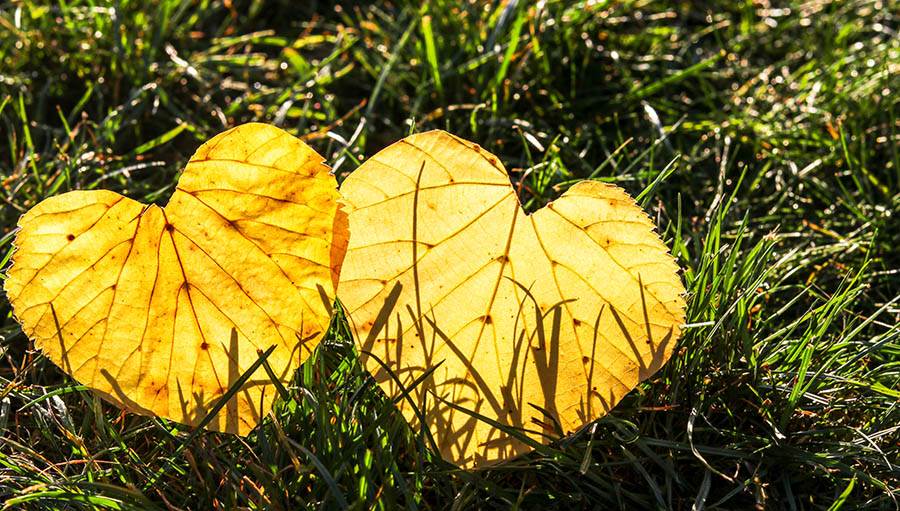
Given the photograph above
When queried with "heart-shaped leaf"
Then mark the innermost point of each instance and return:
(161, 309)
(539, 322)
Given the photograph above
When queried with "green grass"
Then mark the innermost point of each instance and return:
(763, 140)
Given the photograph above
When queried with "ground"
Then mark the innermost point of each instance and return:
(762, 139)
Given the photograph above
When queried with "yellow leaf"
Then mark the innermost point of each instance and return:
(160, 310)
(564, 310)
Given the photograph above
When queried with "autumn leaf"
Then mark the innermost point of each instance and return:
(160, 310)
(483, 313)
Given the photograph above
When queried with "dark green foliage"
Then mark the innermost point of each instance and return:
(763, 139)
